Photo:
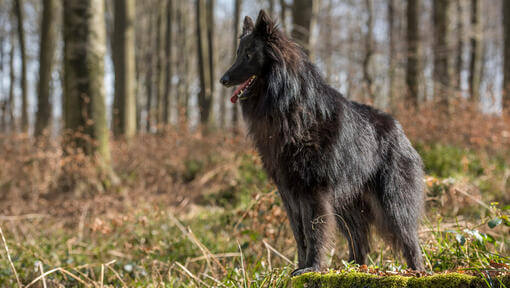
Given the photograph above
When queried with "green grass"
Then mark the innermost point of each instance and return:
(238, 236)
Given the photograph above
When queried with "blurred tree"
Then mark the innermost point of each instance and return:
(212, 60)
(392, 31)
(84, 91)
(459, 45)
(160, 61)
(149, 62)
(46, 54)
(124, 104)
(506, 56)
(304, 19)
(369, 50)
(184, 56)
(169, 100)
(413, 50)
(283, 15)
(443, 62)
(18, 9)
(271, 8)
(204, 62)
(236, 112)
(475, 67)
(12, 81)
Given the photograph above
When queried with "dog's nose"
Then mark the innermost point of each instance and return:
(225, 79)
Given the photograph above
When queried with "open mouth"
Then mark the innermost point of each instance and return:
(240, 92)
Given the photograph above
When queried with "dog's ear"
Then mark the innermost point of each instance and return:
(264, 25)
(247, 26)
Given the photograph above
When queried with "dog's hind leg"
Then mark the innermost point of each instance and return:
(318, 225)
(354, 223)
(401, 200)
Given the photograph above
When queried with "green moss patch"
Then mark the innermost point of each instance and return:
(365, 280)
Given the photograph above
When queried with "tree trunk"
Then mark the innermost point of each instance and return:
(12, 81)
(475, 67)
(304, 19)
(460, 45)
(271, 7)
(160, 67)
(204, 62)
(169, 99)
(212, 60)
(369, 50)
(236, 111)
(184, 57)
(506, 56)
(283, 15)
(443, 62)
(149, 81)
(84, 91)
(18, 4)
(413, 51)
(392, 31)
(124, 112)
(46, 53)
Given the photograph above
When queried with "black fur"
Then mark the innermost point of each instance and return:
(335, 162)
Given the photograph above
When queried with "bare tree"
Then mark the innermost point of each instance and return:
(18, 7)
(369, 49)
(84, 91)
(392, 31)
(475, 67)
(304, 19)
(460, 44)
(413, 50)
(204, 62)
(12, 81)
(184, 56)
(160, 60)
(124, 112)
(149, 62)
(169, 100)
(443, 62)
(236, 112)
(46, 54)
(506, 56)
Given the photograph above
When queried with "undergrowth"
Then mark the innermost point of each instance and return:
(191, 211)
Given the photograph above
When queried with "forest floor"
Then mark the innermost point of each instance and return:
(188, 210)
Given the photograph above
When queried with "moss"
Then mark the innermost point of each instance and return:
(364, 280)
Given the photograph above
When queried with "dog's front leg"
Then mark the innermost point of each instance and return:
(318, 226)
(293, 209)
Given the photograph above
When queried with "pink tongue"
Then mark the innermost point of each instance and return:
(234, 97)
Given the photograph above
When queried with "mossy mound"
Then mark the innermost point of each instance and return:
(365, 280)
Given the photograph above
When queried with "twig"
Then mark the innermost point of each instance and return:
(207, 254)
(224, 255)
(42, 274)
(242, 266)
(21, 217)
(277, 253)
(184, 269)
(116, 275)
(63, 271)
(102, 275)
(9, 258)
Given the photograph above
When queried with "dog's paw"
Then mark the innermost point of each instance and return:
(298, 272)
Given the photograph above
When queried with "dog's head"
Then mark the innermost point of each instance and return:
(251, 56)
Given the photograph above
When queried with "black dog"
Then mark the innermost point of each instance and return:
(333, 160)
